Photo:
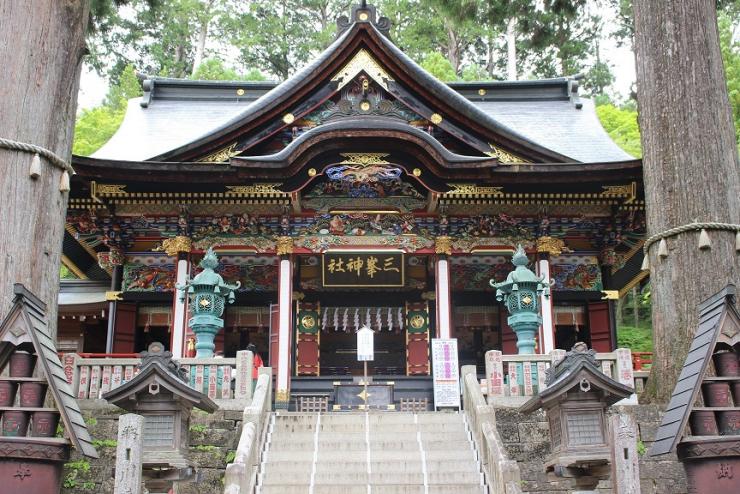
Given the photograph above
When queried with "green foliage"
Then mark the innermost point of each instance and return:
(95, 126)
(105, 443)
(75, 469)
(621, 124)
(598, 78)
(437, 65)
(230, 456)
(65, 273)
(204, 447)
(641, 448)
(198, 428)
(213, 69)
(91, 421)
(636, 339)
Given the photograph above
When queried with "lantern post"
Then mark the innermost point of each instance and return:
(520, 293)
(208, 294)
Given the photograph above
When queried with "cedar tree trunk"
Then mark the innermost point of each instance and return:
(41, 53)
(691, 169)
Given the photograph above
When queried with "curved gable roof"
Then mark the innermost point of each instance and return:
(178, 128)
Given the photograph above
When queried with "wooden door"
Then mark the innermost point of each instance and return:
(124, 330)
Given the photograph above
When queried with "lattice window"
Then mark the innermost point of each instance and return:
(584, 428)
(159, 431)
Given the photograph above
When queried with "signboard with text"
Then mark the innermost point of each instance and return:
(362, 269)
(446, 373)
(365, 344)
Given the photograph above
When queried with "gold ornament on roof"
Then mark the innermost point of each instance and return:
(443, 245)
(436, 118)
(107, 190)
(284, 246)
(221, 155)
(474, 190)
(175, 245)
(504, 156)
(550, 245)
(628, 191)
(362, 62)
(270, 188)
(364, 159)
(288, 118)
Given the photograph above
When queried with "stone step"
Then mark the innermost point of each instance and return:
(286, 444)
(361, 455)
(374, 436)
(372, 418)
(407, 465)
(374, 488)
(350, 426)
(342, 476)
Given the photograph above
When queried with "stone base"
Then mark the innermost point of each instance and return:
(32, 465)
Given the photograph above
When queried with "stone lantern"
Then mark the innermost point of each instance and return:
(575, 401)
(520, 293)
(161, 395)
(208, 294)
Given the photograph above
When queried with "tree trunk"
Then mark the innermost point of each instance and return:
(511, 49)
(41, 54)
(635, 307)
(453, 48)
(200, 48)
(690, 168)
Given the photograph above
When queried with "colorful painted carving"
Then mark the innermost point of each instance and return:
(576, 273)
(361, 224)
(143, 278)
(475, 277)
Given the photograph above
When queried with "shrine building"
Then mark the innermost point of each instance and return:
(361, 191)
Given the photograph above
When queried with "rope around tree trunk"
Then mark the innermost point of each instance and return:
(32, 148)
(688, 228)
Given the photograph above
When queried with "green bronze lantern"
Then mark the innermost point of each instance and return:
(520, 293)
(207, 296)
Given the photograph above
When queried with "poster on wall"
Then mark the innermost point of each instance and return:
(446, 373)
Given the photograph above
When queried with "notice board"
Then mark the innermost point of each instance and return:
(446, 373)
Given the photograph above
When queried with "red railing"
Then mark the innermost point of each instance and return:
(640, 360)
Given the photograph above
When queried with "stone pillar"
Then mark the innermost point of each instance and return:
(546, 248)
(112, 261)
(179, 247)
(625, 459)
(285, 306)
(128, 454)
(443, 248)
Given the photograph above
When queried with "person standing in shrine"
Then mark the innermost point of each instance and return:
(256, 364)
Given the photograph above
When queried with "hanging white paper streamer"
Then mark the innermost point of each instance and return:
(324, 319)
(390, 319)
(378, 322)
(345, 319)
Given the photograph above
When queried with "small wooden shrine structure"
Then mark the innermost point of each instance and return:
(32, 456)
(159, 392)
(362, 190)
(707, 397)
(575, 401)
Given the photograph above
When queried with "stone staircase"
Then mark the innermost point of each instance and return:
(361, 453)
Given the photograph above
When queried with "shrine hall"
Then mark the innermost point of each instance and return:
(362, 191)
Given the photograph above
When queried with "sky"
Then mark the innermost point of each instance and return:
(93, 87)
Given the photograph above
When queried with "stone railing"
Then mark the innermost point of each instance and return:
(501, 473)
(509, 377)
(241, 475)
(227, 381)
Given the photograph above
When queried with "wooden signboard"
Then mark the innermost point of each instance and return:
(362, 269)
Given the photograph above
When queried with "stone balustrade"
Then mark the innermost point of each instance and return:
(514, 378)
(502, 473)
(227, 381)
(241, 474)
